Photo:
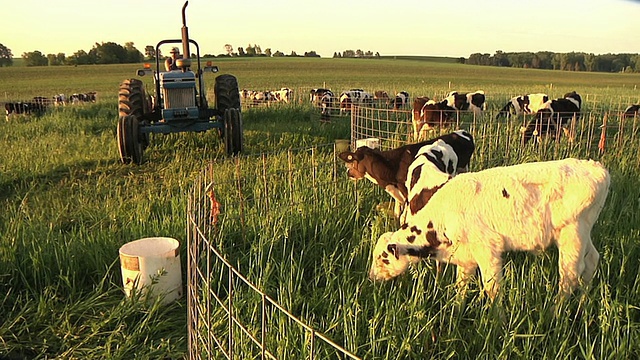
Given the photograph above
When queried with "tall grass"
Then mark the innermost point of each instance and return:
(68, 205)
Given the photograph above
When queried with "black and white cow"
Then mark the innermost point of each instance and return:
(401, 100)
(326, 104)
(474, 101)
(389, 169)
(60, 99)
(37, 106)
(354, 97)
(283, 95)
(315, 95)
(554, 117)
(523, 105)
(82, 97)
(631, 111)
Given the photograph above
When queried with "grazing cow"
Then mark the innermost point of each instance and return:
(381, 97)
(283, 95)
(37, 106)
(388, 169)
(60, 99)
(554, 117)
(474, 218)
(354, 97)
(315, 95)
(474, 101)
(523, 104)
(246, 95)
(82, 97)
(631, 111)
(16, 108)
(401, 100)
(428, 114)
(326, 103)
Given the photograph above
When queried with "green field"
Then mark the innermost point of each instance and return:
(69, 204)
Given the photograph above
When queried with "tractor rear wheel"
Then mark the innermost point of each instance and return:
(232, 119)
(129, 140)
(227, 93)
(132, 100)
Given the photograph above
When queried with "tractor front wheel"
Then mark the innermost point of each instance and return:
(227, 92)
(130, 145)
(133, 100)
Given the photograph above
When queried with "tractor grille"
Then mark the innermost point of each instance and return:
(179, 98)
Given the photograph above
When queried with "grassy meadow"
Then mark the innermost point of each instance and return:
(68, 204)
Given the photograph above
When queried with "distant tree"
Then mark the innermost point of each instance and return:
(359, 53)
(293, 54)
(6, 57)
(461, 60)
(80, 57)
(377, 54)
(133, 54)
(278, 53)
(500, 59)
(241, 51)
(55, 59)
(150, 52)
(250, 50)
(35, 58)
(229, 49)
(109, 53)
(348, 54)
(311, 54)
(257, 49)
(267, 52)
(61, 58)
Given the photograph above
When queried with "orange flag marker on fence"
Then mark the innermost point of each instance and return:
(603, 133)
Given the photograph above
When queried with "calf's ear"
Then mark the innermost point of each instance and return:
(347, 156)
(392, 248)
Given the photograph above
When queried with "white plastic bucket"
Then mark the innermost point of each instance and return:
(152, 266)
(373, 143)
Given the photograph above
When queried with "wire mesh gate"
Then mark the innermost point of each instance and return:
(224, 195)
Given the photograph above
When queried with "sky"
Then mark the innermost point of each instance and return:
(410, 27)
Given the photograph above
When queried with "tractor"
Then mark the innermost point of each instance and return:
(179, 103)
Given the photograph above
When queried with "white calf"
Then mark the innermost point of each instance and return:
(475, 217)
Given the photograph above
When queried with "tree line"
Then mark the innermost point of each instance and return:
(103, 53)
(573, 61)
(113, 53)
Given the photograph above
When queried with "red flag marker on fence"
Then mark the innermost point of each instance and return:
(603, 133)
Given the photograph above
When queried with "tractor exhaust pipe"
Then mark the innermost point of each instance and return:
(185, 33)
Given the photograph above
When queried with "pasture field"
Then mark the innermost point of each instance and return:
(68, 205)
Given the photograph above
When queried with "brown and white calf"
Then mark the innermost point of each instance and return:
(381, 98)
(427, 114)
(388, 169)
(474, 218)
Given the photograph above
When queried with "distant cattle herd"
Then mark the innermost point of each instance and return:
(38, 105)
(547, 116)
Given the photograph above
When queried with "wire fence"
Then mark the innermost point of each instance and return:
(232, 312)
(588, 135)
(226, 198)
